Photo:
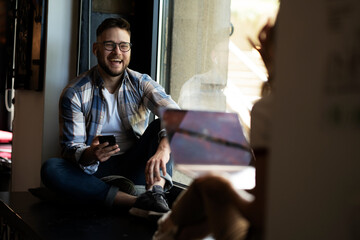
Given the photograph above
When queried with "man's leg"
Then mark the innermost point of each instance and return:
(66, 178)
(145, 148)
(152, 203)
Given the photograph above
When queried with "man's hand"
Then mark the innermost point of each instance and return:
(98, 152)
(157, 162)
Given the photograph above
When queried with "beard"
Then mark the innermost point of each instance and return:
(106, 68)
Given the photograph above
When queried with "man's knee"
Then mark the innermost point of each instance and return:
(48, 166)
(53, 169)
(52, 164)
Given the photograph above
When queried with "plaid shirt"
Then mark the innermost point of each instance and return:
(82, 108)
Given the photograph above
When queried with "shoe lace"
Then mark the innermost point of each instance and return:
(159, 196)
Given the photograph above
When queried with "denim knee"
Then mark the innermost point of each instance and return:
(67, 178)
(48, 168)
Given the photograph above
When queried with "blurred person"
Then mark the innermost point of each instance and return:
(211, 205)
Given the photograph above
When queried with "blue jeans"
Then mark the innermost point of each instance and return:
(67, 178)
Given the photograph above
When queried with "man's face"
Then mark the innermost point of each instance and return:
(112, 63)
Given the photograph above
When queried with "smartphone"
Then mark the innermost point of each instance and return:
(107, 138)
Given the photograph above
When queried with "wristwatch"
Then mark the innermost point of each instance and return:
(162, 134)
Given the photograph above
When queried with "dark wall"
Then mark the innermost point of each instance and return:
(141, 28)
(6, 39)
(139, 15)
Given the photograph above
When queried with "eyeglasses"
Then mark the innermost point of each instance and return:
(111, 46)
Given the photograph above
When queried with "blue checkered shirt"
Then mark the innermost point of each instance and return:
(82, 108)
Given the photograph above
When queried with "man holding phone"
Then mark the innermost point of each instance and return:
(106, 142)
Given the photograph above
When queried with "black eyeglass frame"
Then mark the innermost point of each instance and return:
(114, 44)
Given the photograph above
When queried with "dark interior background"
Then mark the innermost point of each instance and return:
(140, 16)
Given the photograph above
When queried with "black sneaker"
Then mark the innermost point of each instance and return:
(124, 184)
(151, 204)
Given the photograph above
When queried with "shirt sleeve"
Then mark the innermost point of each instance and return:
(155, 99)
(155, 96)
(72, 126)
(90, 169)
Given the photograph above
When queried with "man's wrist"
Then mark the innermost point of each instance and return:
(164, 145)
(90, 169)
(162, 134)
(86, 159)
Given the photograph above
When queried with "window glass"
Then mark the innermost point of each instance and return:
(246, 70)
(207, 62)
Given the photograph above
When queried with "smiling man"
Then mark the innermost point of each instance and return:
(111, 99)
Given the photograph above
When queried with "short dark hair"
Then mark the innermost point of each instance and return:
(111, 23)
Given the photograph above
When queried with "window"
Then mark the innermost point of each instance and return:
(206, 61)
